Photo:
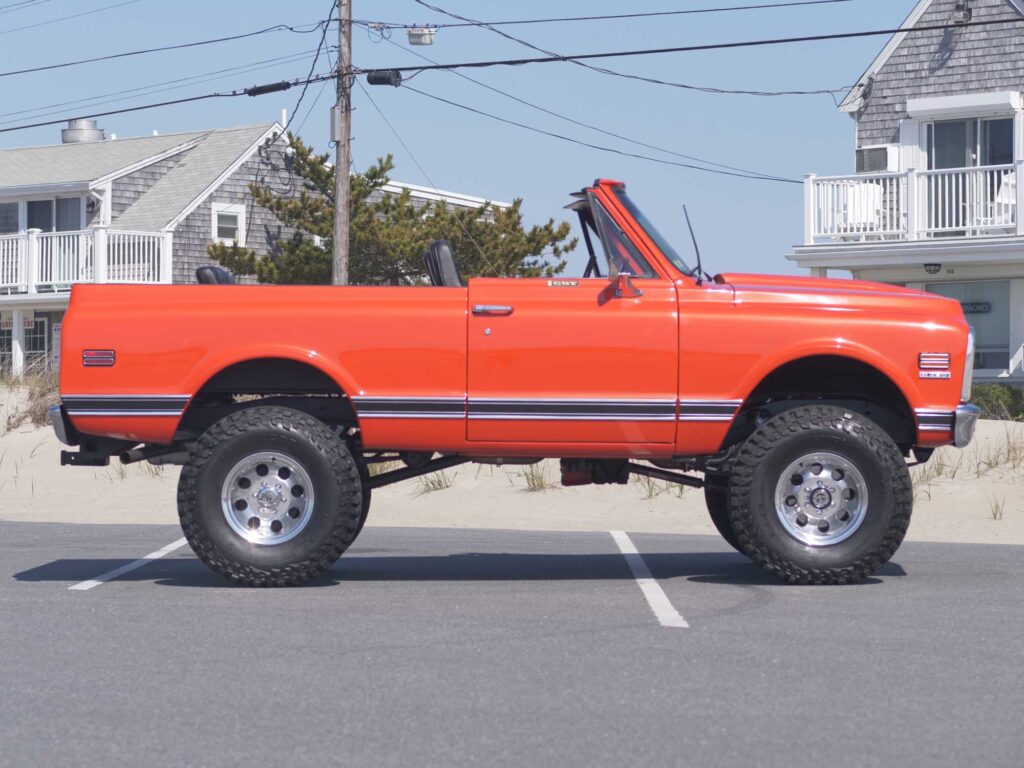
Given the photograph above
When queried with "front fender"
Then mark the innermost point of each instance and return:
(852, 350)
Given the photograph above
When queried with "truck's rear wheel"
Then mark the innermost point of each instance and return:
(819, 495)
(270, 497)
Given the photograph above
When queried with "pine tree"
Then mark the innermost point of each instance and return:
(390, 234)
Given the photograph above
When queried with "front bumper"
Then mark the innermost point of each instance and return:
(964, 422)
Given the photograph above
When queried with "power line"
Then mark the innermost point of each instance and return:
(154, 88)
(319, 96)
(762, 6)
(276, 28)
(587, 125)
(426, 175)
(312, 67)
(22, 6)
(706, 47)
(628, 76)
(256, 90)
(742, 175)
(72, 16)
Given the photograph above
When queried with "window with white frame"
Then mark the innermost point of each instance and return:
(986, 305)
(228, 224)
(8, 218)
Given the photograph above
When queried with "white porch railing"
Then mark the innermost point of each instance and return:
(959, 202)
(34, 261)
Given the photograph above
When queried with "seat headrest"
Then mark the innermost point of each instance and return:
(441, 265)
(209, 275)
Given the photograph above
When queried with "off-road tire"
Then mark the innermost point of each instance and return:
(332, 527)
(716, 496)
(785, 437)
(364, 512)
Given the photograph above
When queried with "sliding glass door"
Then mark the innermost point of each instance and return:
(971, 182)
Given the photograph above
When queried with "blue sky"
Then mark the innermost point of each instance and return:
(743, 225)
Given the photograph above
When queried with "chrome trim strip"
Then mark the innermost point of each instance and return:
(708, 410)
(567, 417)
(126, 414)
(546, 409)
(126, 397)
(125, 405)
(935, 420)
(559, 400)
(698, 404)
(555, 409)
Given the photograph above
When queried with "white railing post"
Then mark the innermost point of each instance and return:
(810, 223)
(18, 341)
(99, 254)
(166, 260)
(32, 259)
(1019, 207)
(911, 204)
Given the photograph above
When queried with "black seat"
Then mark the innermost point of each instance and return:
(214, 276)
(441, 265)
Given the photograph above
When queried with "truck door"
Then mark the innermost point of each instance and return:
(591, 360)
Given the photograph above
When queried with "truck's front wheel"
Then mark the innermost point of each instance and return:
(716, 496)
(820, 495)
(270, 497)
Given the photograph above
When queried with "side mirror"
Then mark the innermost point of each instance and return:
(624, 287)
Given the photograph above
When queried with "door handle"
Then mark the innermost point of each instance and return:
(492, 310)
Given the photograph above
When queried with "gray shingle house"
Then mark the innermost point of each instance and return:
(937, 197)
(139, 210)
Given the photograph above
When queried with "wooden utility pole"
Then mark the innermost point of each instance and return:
(343, 161)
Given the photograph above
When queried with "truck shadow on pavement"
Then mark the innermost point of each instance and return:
(707, 567)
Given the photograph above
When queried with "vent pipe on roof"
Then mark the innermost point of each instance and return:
(81, 132)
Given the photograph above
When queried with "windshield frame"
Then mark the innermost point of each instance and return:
(610, 232)
(647, 226)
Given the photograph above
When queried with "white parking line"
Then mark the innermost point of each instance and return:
(663, 609)
(130, 566)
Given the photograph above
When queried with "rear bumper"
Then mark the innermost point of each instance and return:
(965, 421)
(62, 425)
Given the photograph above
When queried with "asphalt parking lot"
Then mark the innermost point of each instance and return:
(457, 647)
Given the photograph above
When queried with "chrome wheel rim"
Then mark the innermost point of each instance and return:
(267, 498)
(821, 499)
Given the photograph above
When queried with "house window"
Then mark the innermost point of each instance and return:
(229, 224)
(970, 143)
(8, 218)
(35, 348)
(69, 214)
(986, 306)
(40, 215)
(62, 214)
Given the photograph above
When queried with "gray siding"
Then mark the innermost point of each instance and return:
(263, 231)
(126, 190)
(944, 63)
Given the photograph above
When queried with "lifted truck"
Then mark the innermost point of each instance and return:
(799, 400)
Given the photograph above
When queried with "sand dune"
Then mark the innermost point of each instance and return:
(972, 495)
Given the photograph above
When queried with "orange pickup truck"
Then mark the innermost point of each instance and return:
(795, 403)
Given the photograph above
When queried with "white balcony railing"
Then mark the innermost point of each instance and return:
(959, 202)
(34, 261)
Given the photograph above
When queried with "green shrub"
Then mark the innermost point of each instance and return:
(999, 401)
